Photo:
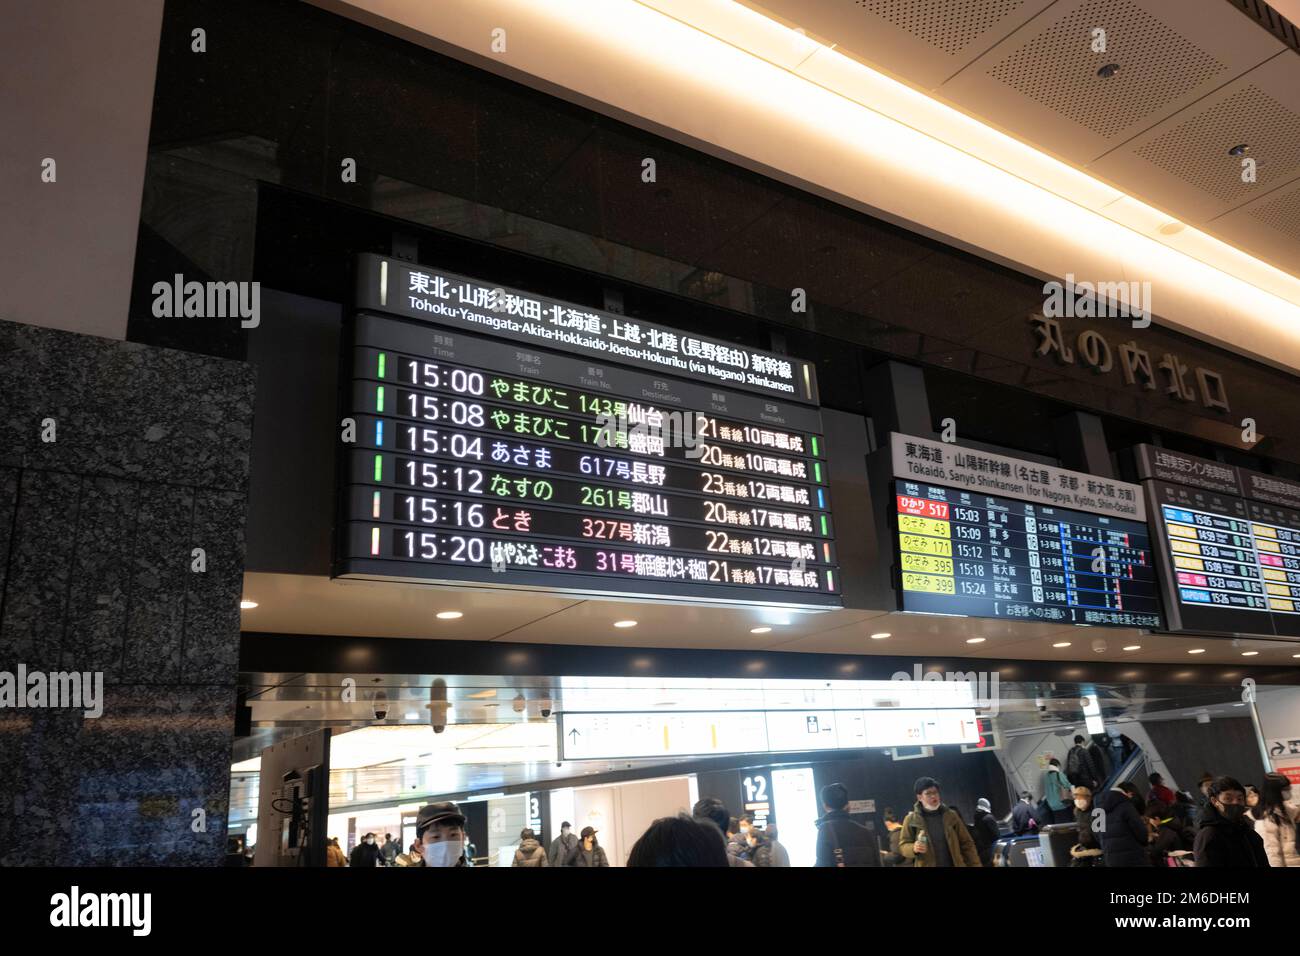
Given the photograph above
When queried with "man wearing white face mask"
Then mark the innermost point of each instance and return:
(440, 833)
(933, 834)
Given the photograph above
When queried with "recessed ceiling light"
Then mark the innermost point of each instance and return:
(247, 605)
(1295, 655)
(1197, 650)
(449, 615)
(881, 636)
(1061, 644)
(1133, 647)
(625, 623)
(1109, 70)
(759, 630)
(974, 640)
(484, 694)
(1171, 229)
(1249, 653)
(411, 715)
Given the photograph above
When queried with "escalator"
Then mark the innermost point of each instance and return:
(1050, 845)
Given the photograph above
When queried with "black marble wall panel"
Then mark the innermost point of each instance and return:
(98, 531)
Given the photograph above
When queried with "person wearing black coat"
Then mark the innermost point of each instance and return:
(1083, 764)
(840, 840)
(1087, 850)
(985, 831)
(1168, 833)
(1227, 836)
(1124, 840)
(1022, 815)
(365, 853)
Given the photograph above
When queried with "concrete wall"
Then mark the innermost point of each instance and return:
(78, 79)
(97, 531)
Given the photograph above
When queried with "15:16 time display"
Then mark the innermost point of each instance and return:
(537, 522)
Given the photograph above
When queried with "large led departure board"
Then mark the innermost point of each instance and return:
(1017, 554)
(961, 552)
(483, 458)
(1229, 543)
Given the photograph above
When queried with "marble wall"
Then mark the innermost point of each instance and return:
(98, 528)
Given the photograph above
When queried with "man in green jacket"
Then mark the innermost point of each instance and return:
(933, 834)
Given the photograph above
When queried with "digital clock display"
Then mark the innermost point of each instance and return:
(478, 460)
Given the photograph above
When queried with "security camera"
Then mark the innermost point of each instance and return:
(545, 705)
(380, 704)
(520, 702)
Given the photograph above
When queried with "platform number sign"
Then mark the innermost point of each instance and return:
(757, 802)
(534, 813)
(989, 738)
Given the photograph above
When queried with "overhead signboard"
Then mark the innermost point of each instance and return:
(996, 539)
(624, 734)
(505, 456)
(1228, 544)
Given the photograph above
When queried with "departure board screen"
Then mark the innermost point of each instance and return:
(490, 461)
(1230, 544)
(980, 555)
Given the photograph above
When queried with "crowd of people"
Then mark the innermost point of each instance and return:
(1230, 825)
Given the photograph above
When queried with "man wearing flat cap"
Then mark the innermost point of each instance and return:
(440, 835)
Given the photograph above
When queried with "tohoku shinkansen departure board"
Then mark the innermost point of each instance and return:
(993, 540)
(507, 439)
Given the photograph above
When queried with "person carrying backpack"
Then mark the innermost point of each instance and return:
(1082, 766)
(841, 841)
(1057, 793)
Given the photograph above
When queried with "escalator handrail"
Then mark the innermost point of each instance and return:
(1124, 771)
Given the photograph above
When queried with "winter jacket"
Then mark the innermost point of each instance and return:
(1022, 815)
(593, 857)
(857, 844)
(1162, 793)
(1053, 782)
(960, 845)
(780, 855)
(1124, 841)
(986, 834)
(389, 852)
(738, 847)
(1279, 838)
(1083, 768)
(561, 847)
(334, 856)
(895, 856)
(760, 854)
(530, 853)
(1220, 842)
(1087, 837)
(1171, 835)
(365, 854)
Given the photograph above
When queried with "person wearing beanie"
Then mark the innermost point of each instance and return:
(986, 831)
(933, 834)
(1087, 849)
